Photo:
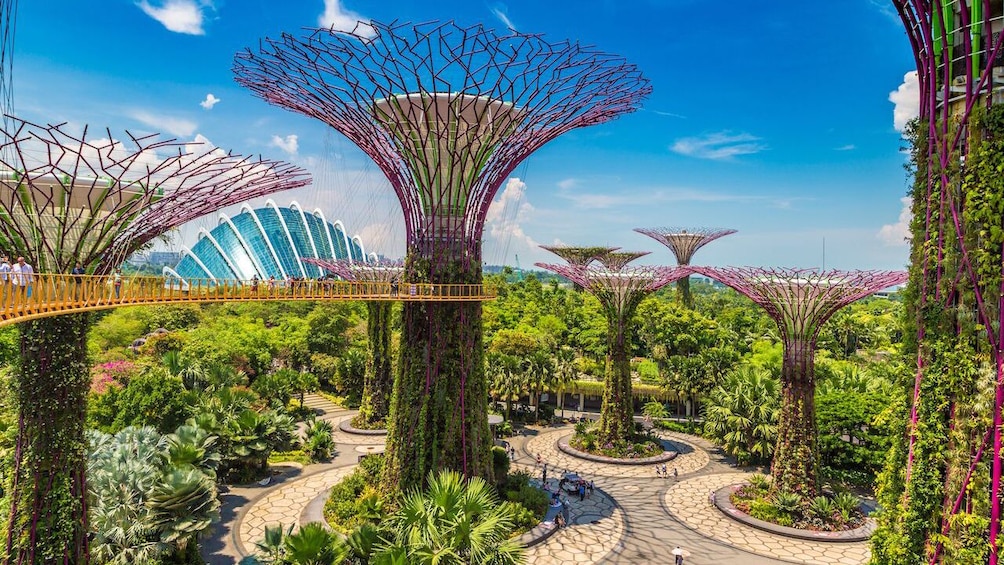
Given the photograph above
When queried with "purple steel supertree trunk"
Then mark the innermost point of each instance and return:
(65, 199)
(684, 242)
(959, 51)
(799, 301)
(447, 113)
(379, 380)
(620, 289)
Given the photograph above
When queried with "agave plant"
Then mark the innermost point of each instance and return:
(822, 508)
(787, 502)
(183, 505)
(846, 503)
(248, 436)
(193, 446)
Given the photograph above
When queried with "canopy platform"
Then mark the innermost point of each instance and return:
(44, 295)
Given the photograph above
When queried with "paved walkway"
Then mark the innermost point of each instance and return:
(633, 517)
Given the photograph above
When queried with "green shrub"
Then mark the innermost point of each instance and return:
(500, 463)
(764, 510)
(523, 519)
(759, 482)
(517, 488)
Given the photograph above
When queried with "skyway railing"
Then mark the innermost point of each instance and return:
(25, 297)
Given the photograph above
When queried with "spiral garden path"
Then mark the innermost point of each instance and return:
(633, 517)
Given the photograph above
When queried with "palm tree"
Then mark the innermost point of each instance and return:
(742, 414)
(454, 522)
(506, 382)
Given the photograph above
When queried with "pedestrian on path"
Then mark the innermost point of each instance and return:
(538, 459)
(658, 471)
(589, 494)
(675, 473)
(678, 552)
(665, 475)
(582, 491)
(544, 478)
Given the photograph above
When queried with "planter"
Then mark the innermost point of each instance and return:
(347, 427)
(567, 449)
(723, 502)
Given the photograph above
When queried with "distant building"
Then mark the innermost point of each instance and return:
(271, 241)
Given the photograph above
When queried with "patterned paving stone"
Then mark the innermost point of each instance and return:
(689, 501)
(341, 437)
(690, 459)
(285, 504)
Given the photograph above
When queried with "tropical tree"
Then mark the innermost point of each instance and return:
(742, 415)
(506, 380)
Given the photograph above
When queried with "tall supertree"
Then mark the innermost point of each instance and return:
(800, 301)
(579, 256)
(379, 380)
(684, 242)
(955, 293)
(446, 112)
(619, 288)
(68, 198)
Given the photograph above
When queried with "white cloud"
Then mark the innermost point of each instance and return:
(181, 16)
(174, 126)
(209, 102)
(898, 234)
(906, 99)
(718, 146)
(338, 18)
(507, 213)
(289, 144)
(848, 147)
(501, 12)
(566, 184)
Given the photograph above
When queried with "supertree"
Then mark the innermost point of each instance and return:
(619, 288)
(799, 301)
(684, 242)
(379, 379)
(446, 112)
(579, 256)
(955, 293)
(69, 198)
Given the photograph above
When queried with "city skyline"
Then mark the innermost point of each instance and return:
(780, 122)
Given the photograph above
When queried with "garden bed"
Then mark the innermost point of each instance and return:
(567, 445)
(347, 427)
(837, 518)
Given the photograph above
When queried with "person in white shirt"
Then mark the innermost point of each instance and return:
(22, 275)
(5, 277)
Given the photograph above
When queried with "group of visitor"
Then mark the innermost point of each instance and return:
(660, 471)
(16, 279)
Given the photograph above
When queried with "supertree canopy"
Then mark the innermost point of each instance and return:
(940, 504)
(70, 198)
(579, 256)
(800, 301)
(446, 112)
(619, 288)
(379, 380)
(684, 242)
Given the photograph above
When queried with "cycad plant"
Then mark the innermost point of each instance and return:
(742, 415)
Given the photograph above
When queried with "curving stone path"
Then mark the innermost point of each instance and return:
(284, 505)
(690, 458)
(689, 502)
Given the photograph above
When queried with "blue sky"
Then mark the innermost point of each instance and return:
(773, 118)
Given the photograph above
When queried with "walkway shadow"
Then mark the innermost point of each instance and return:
(214, 546)
(677, 446)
